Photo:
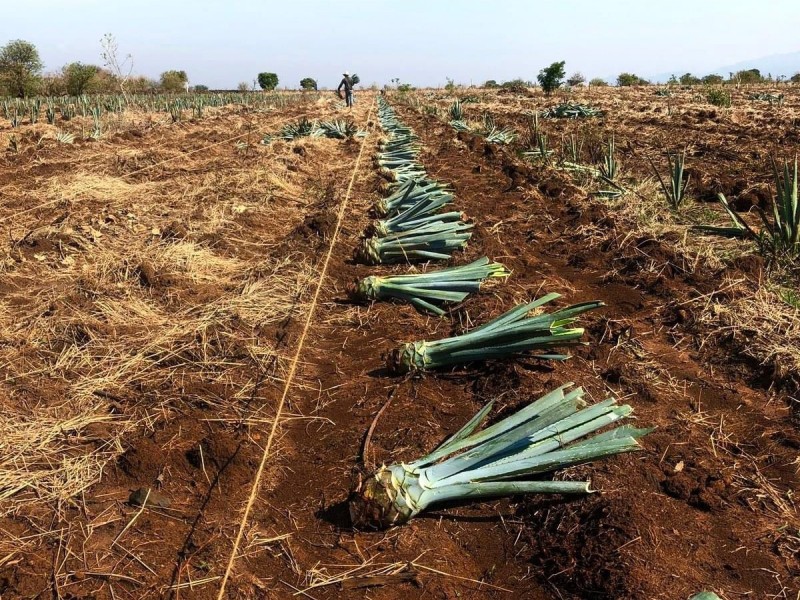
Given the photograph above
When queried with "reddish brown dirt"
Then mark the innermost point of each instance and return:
(690, 512)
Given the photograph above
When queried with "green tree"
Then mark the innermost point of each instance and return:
(628, 79)
(551, 78)
(576, 78)
(598, 82)
(79, 78)
(201, 88)
(713, 79)
(491, 84)
(308, 84)
(795, 78)
(267, 81)
(688, 79)
(747, 76)
(517, 85)
(173, 81)
(20, 67)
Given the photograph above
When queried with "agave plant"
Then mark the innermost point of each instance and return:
(50, 114)
(410, 193)
(610, 167)
(340, 129)
(549, 434)
(784, 231)
(64, 137)
(570, 110)
(419, 215)
(541, 151)
(435, 241)
(738, 228)
(302, 128)
(427, 291)
(497, 135)
(513, 333)
(676, 191)
(456, 111)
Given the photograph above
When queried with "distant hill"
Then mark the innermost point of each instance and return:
(776, 64)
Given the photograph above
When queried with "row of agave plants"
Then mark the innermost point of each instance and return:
(65, 108)
(510, 456)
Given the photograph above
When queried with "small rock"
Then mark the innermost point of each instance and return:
(153, 498)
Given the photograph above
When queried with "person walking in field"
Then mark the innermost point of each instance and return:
(347, 84)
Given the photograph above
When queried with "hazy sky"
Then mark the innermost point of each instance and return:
(222, 42)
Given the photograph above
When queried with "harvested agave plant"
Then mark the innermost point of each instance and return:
(428, 291)
(547, 435)
(419, 215)
(513, 333)
(410, 193)
(434, 241)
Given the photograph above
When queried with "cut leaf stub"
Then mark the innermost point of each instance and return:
(378, 502)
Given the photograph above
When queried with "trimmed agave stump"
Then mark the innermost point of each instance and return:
(554, 432)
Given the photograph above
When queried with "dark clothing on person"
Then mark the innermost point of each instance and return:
(347, 84)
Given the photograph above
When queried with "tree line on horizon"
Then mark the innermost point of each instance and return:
(554, 76)
(21, 74)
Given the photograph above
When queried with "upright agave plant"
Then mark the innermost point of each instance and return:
(609, 168)
(784, 231)
(552, 433)
(676, 190)
(456, 113)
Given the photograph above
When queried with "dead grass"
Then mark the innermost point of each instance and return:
(759, 324)
(110, 315)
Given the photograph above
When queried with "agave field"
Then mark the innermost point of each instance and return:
(447, 344)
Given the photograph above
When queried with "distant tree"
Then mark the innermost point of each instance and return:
(309, 83)
(491, 84)
(795, 78)
(120, 67)
(355, 78)
(551, 78)
(628, 79)
(451, 85)
(747, 76)
(598, 82)
(713, 79)
(267, 81)
(516, 85)
(576, 79)
(673, 80)
(243, 86)
(51, 84)
(689, 79)
(20, 68)
(201, 88)
(173, 81)
(404, 87)
(78, 78)
(141, 85)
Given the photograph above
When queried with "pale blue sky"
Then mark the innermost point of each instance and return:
(220, 43)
